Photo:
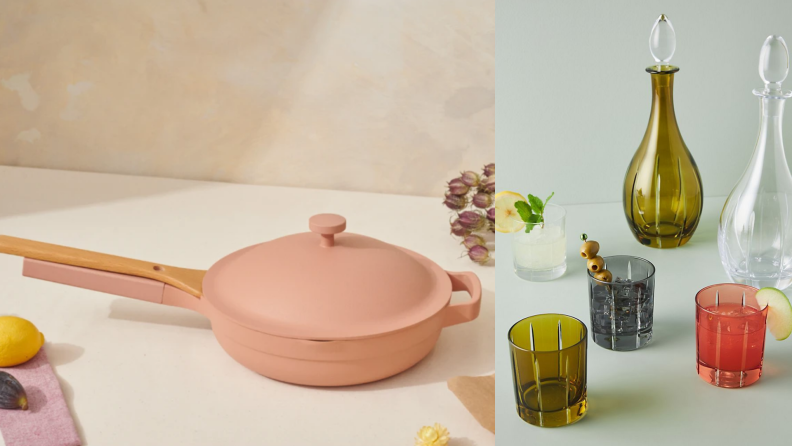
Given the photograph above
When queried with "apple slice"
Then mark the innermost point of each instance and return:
(779, 312)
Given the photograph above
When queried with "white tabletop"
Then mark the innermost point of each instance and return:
(135, 373)
(651, 396)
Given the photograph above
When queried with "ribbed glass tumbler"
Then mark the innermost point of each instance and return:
(622, 309)
(548, 354)
(730, 335)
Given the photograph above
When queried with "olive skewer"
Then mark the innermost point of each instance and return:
(595, 263)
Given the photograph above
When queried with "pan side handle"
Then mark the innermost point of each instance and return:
(187, 280)
(464, 311)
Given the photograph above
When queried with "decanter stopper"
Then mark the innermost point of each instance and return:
(662, 40)
(773, 63)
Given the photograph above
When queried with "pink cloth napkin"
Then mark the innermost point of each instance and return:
(47, 422)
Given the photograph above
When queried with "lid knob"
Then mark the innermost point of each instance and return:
(327, 225)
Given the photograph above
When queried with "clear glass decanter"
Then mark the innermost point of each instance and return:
(662, 188)
(755, 231)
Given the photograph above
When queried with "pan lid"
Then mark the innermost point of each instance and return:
(326, 284)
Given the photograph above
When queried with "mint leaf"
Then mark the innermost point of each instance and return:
(532, 212)
(532, 221)
(536, 204)
(524, 209)
(548, 198)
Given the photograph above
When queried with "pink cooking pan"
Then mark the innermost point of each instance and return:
(319, 308)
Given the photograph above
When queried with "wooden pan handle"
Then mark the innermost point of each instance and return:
(187, 280)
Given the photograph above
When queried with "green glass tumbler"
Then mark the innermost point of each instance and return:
(548, 354)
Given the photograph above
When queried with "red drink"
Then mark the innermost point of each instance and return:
(730, 334)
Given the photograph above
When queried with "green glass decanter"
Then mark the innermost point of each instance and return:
(662, 188)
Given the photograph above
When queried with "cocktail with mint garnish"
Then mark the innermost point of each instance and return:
(539, 240)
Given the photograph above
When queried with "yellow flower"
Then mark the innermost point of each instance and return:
(436, 435)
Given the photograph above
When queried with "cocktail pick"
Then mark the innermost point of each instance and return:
(595, 263)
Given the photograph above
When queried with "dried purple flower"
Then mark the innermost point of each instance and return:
(482, 200)
(472, 220)
(479, 254)
(470, 178)
(458, 230)
(458, 187)
(488, 185)
(474, 240)
(473, 191)
(455, 202)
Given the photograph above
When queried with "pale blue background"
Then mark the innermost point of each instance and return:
(572, 104)
(573, 98)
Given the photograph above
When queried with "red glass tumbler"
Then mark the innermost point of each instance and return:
(730, 335)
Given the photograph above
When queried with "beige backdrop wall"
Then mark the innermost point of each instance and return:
(385, 96)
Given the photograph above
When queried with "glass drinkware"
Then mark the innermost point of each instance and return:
(755, 230)
(540, 255)
(622, 309)
(662, 195)
(730, 335)
(548, 354)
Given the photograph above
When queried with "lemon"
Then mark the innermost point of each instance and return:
(507, 219)
(779, 312)
(20, 340)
